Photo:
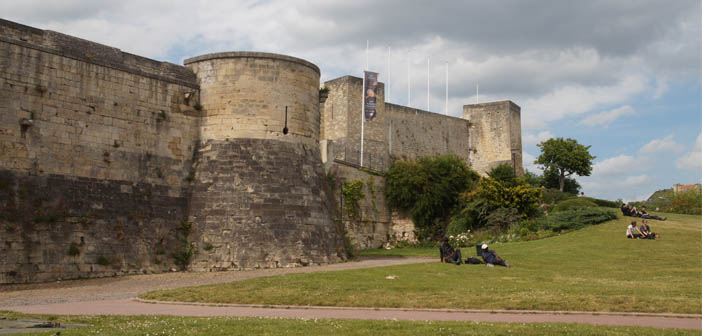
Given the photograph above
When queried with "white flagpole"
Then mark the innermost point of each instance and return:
(409, 81)
(387, 87)
(428, 60)
(363, 102)
(477, 93)
(446, 88)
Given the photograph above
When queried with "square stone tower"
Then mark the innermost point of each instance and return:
(495, 135)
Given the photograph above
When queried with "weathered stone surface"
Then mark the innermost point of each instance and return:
(262, 204)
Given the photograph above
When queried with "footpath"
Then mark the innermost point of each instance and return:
(117, 296)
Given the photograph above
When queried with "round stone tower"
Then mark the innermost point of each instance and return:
(260, 197)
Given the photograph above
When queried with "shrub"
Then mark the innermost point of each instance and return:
(502, 218)
(428, 190)
(604, 203)
(552, 196)
(573, 203)
(503, 173)
(352, 192)
(577, 218)
(522, 197)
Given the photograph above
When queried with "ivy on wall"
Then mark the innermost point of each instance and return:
(352, 192)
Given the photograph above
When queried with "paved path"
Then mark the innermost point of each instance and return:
(116, 296)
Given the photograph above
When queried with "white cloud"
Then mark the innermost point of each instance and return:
(667, 144)
(528, 162)
(617, 165)
(533, 139)
(574, 100)
(692, 160)
(607, 117)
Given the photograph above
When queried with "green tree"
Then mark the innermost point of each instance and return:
(551, 180)
(428, 189)
(566, 157)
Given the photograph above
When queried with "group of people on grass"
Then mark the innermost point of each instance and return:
(641, 232)
(449, 254)
(631, 211)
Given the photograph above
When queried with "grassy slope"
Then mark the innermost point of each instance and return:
(594, 269)
(168, 325)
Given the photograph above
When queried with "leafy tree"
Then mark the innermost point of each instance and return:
(566, 157)
(428, 189)
(551, 180)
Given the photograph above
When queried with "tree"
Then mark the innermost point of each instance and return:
(565, 156)
(428, 189)
(551, 180)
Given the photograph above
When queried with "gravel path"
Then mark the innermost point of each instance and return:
(116, 296)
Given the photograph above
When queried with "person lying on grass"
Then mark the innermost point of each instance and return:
(644, 214)
(448, 254)
(646, 231)
(632, 231)
(491, 258)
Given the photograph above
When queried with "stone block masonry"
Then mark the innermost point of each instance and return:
(262, 204)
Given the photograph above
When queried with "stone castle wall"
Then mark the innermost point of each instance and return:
(496, 136)
(260, 196)
(488, 135)
(95, 150)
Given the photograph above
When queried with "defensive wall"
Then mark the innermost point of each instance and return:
(112, 163)
(489, 134)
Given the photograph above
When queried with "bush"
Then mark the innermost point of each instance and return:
(574, 203)
(603, 203)
(552, 196)
(502, 218)
(428, 190)
(522, 197)
(577, 218)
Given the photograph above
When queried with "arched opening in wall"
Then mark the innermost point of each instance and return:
(285, 128)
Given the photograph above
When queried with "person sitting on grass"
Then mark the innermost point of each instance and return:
(646, 230)
(448, 253)
(491, 258)
(632, 231)
(625, 210)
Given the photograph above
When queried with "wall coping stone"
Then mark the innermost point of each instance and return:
(251, 54)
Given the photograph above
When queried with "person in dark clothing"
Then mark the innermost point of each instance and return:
(491, 258)
(646, 230)
(644, 214)
(448, 253)
(625, 210)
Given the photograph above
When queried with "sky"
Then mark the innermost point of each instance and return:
(621, 76)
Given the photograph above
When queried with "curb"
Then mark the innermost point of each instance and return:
(474, 311)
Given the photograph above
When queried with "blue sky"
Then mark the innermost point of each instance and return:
(620, 76)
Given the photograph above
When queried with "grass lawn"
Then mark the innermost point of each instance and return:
(594, 269)
(168, 325)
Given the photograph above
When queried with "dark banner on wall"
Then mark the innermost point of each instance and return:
(370, 91)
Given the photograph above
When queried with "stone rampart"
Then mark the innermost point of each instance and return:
(95, 152)
(260, 197)
(496, 135)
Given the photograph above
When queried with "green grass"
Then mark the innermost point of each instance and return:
(594, 269)
(168, 325)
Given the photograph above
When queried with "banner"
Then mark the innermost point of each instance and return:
(370, 91)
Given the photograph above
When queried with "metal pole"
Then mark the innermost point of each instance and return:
(446, 107)
(428, 60)
(387, 87)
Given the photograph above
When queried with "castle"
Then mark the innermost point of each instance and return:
(111, 163)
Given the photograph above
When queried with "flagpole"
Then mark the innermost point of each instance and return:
(409, 81)
(428, 60)
(446, 88)
(363, 102)
(477, 93)
(387, 87)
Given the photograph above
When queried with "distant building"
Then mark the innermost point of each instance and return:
(686, 187)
